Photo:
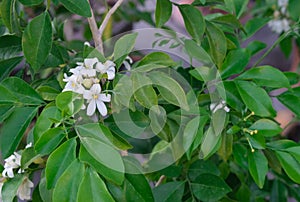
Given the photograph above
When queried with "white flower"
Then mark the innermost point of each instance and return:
(28, 145)
(279, 25)
(96, 99)
(108, 67)
(283, 3)
(11, 163)
(24, 190)
(216, 106)
(87, 67)
(128, 63)
(73, 84)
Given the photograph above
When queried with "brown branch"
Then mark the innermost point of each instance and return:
(95, 32)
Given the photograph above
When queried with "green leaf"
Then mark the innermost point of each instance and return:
(69, 102)
(295, 152)
(293, 77)
(59, 161)
(28, 157)
(255, 98)
(31, 2)
(12, 130)
(47, 93)
(93, 187)
(232, 96)
(79, 7)
(169, 192)
(24, 92)
(6, 66)
(235, 62)
(37, 40)
(10, 46)
(10, 188)
(266, 127)
(67, 185)
(210, 143)
(143, 90)
(9, 16)
(137, 187)
(255, 46)
(293, 8)
(103, 153)
(108, 173)
(289, 165)
(281, 144)
(45, 193)
(209, 187)
(202, 167)
(258, 167)
(228, 20)
(257, 141)
(45, 121)
(5, 111)
(163, 12)
(225, 150)
(158, 58)
(190, 132)
(169, 89)
(286, 46)
(193, 21)
(217, 43)
(123, 47)
(279, 192)
(49, 140)
(266, 76)
(197, 52)
(291, 99)
(158, 118)
(240, 7)
(253, 25)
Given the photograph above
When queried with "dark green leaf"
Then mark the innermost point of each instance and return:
(258, 167)
(169, 192)
(286, 46)
(9, 16)
(5, 111)
(240, 7)
(293, 8)
(197, 52)
(37, 40)
(202, 167)
(281, 144)
(253, 25)
(293, 77)
(193, 21)
(163, 12)
(12, 130)
(59, 161)
(79, 7)
(47, 93)
(6, 66)
(67, 185)
(31, 2)
(93, 187)
(255, 46)
(28, 157)
(225, 150)
(232, 96)
(209, 187)
(10, 46)
(289, 165)
(291, 100)
(279, 192)
(266, 127)
(255, 98)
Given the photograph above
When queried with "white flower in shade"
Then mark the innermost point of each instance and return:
(108, 67)
(28, 145)
(96, 99)
(11, 163)
(283, 3)
(24, 190)
(87, 67)
(73, 84)
(127, 62)
(279, 25)
(216, 106)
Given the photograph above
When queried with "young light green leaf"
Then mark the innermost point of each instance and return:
(209, 187)
(13, 128)
(289, 165)
(193, 21)
(59, 161)
(79, 7)
(266, 127)
(123, 47)
(163, 12)
(31, 2)
(67, 186)
(255, 98)
(69, 102)
(169, 192)
(37, 40)
(266, 76)
(93, 187)
(258, 167)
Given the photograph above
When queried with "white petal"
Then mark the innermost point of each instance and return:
(96, 88)
(101, 108)
(109, 64)
(127, 65)
(100, 68)
(28, 145)
(24, 190)
(105, 97)
(87, 95)
(110, 75)
(91, 108)
(89, 62)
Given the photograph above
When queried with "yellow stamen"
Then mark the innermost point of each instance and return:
(95, 97)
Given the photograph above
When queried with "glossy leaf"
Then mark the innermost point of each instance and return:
(169, 192)
(163, 12)
(10, 46)
(93, 187)
(266, 127)
(258, 167)
(37, 40)
(291, 100)
(123, 47)
(6, 66)
(79, 7)
(59, 161)
(209, 187)
(295, 152)
(67, 185)
(289, 165)
(10, 16)
(47, 93)
(266, 76)
(202, 167)
(12, 130)
(255, 98)
(193, 21)
(31, 2)
(158, 58)
(69, 102)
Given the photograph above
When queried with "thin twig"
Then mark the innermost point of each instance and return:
(160, 180)
(95, 32)
(106, 20)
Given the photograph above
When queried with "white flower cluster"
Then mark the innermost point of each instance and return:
(214, 107)
(85, 80)
(280, 23)
(13, 163)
